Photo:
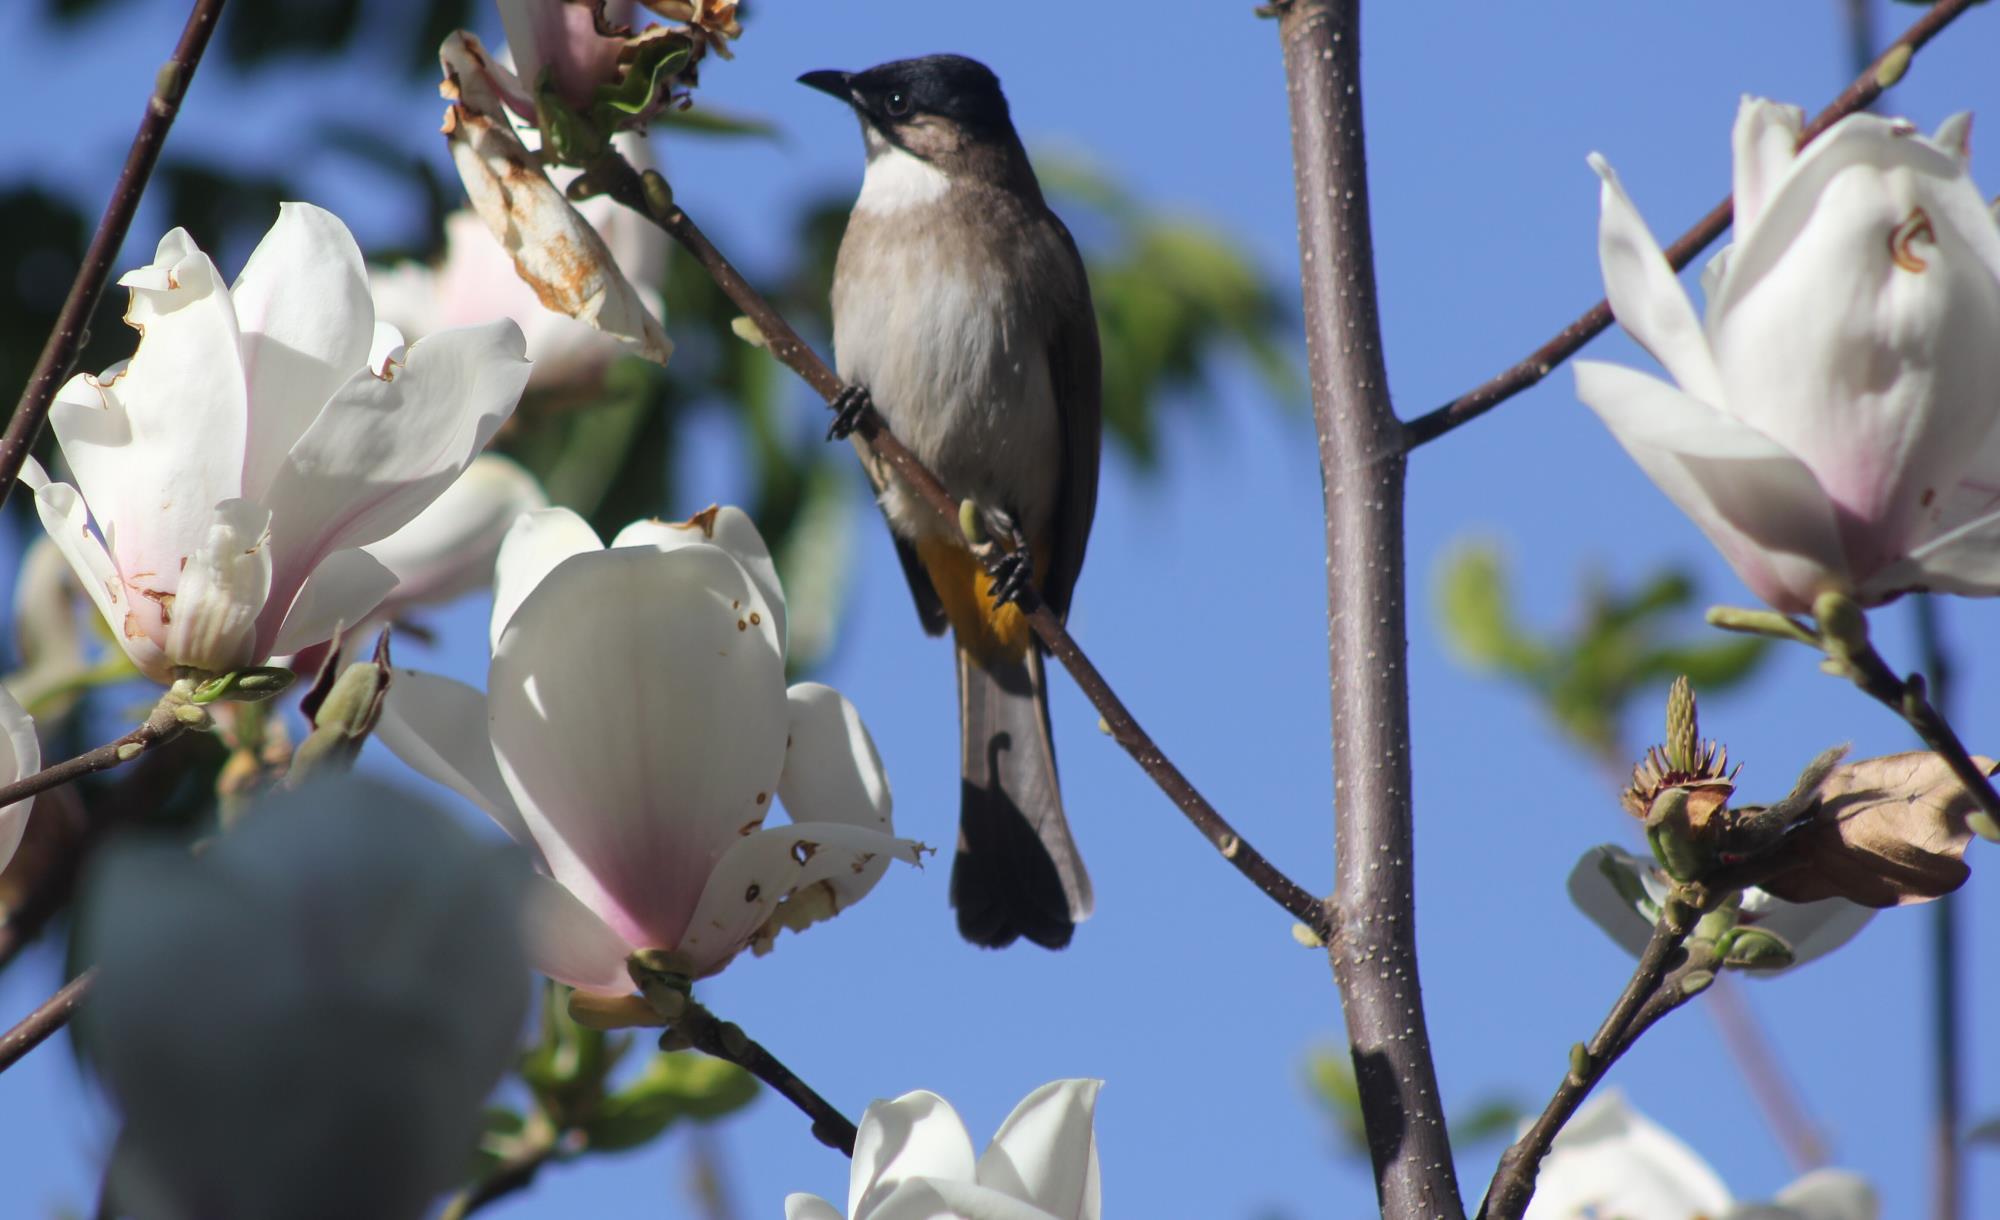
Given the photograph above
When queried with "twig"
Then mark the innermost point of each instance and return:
(696, 1026)
(516, 1172)
(1651, 993)
(1570, 339)
(1375, 957)
(650, 198)
(162, 726)
(1909, 698)
(59, 353)
(50, 1016)
(1947, 1053)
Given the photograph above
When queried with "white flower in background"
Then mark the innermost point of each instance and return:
(449, 549)
(636, 731)
(1610, 1161)
(228, 473)
(305, 1019)
(554, 249)
(20, 756)
(1622, 894)
(914, 1160)
(476, 281)
(1833, 425)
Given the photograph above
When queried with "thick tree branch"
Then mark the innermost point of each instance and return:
(650, 197)
(59, 354)
(1375, 955)
(1879, 75)
(50, 1016)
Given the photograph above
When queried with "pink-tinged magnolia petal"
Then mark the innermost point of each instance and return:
(20, 755)
(918, 1135)
(728, 527)
(1645, 297)
(1856, 322)
(157, 447)
(570, 944)
(562, 38)
(1765, 141)
(437, 726)
(449, 548)
(210, 623)
(758, 872)
(533, 547)
(810, 1207)
(384, 448)
(67, 522)
(938, 1199)
(554, 249)
(639, 718)
(1759, 506)
(1965, 560)
(303, 307)
(341, 592)
(1610, 1160)
(1046, 1151)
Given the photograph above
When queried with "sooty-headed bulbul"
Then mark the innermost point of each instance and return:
(961, 309)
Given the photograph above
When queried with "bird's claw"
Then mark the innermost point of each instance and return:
(1014, 576)
(849, 406)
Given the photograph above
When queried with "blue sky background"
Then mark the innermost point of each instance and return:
(1203, 603)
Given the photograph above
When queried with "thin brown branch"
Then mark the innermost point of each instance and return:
(650, 197)
(516, 1172)
(50, 1016)
(1651, 993)
(59, 353)
(1909, 698)
(726, 1040)
(1375, 956)
(160, 727)
(1570, 339)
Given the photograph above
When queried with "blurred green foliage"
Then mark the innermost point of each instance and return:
(1626, 646)
(1330, 1078)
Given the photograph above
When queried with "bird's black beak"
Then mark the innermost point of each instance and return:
(831, 82)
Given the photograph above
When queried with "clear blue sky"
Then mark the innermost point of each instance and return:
(1203, 603)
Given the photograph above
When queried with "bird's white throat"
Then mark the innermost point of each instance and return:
(897, 180)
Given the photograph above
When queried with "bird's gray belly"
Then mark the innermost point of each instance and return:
(955, 362)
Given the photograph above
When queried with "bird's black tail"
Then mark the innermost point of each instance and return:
(1017, 872)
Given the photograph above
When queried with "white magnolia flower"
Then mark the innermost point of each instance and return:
(20, 756)
(1610, 1161)
(228, 473)
(336, 983)
(448, 549)
(914, 1161)
(634, 734)
(1622, 894)
(1833, 422)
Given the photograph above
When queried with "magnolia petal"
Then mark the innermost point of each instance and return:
(938, 1199)
(1610, 1160)
(570, 944)
(437, 726)
(307, 322)
(640, 722)
(1609, 885)
(531, 549)
(20, 755)
(386, 348)
(1765, 142)
(1645, 297)
(341, 591)
(1046, 1151)
(728, 527)
(918, 1135)
(1759, 506)
(212, 623)
(1811, 929)
(384, 448)
(1712, 272)
(449, 548)
(810, 1207)
(562, 38)
(1954, 135)
(758, 873)
(66, 519)
(1826, 1194)
(833, 774)
(156, 447)
(1856, 321)
(1965, 561)
(554, 249)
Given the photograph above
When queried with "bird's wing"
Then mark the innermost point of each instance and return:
(1076, 373)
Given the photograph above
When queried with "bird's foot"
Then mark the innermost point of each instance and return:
(1014, 570)
(849, 406)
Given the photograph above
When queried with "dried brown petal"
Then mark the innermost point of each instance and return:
(1888, 832)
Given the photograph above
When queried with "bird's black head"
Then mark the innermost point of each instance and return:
(915, 102)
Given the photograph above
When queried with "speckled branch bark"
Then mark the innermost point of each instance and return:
(1375, 954)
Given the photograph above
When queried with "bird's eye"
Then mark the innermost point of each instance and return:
(897, 104)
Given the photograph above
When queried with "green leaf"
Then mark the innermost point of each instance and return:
(1475, 608)
(1490, 1118)
(659, 60)
(1330, 1076)
(673, 1087)
(706, 120)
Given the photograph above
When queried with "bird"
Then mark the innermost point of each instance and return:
(962, 313)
